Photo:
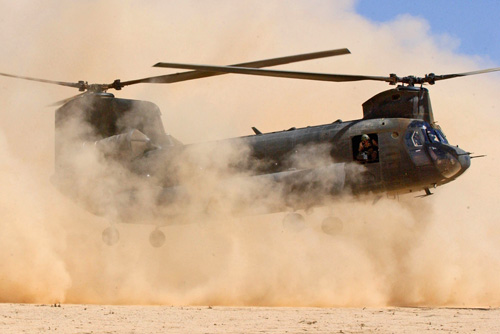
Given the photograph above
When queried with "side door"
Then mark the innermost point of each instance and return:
(390, 159)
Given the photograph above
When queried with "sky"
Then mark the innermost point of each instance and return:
(440, 250)
(474, 25)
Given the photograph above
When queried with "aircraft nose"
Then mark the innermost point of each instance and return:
(464, 160)
(451, 162)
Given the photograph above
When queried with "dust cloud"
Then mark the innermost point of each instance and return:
(440, 250)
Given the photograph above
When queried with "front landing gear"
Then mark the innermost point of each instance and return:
(294, 222)
(110, 236)
(332, 225)
(157, 238)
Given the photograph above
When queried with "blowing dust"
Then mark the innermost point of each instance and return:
(436, 251)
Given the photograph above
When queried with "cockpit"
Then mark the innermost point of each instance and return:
(420, 132)
(428, 147)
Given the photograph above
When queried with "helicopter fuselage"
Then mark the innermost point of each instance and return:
(406, 153)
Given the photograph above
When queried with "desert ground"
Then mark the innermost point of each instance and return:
(31, 318)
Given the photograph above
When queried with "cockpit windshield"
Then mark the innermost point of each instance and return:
(432, 135)
(421, 132)
(435, 135)
(441, 136)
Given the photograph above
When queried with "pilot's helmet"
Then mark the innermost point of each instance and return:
(365, 137)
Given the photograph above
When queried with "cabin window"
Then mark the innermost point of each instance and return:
(365, 148)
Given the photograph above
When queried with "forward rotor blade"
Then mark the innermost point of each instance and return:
(184, 76)
(60, 83)
(456, 75)
(281, 74)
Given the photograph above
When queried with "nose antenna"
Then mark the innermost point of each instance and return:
(475, 156)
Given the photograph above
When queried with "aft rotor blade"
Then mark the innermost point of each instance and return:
(280, 74)
(184, 76)
(60, 103)
(60, 83)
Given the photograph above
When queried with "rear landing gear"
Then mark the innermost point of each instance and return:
(157, 238)
(110, 236)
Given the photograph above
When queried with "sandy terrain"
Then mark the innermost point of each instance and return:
(24, 318)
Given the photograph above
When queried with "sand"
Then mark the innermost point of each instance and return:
(27, 318)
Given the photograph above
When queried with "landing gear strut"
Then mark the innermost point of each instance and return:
(110, 236)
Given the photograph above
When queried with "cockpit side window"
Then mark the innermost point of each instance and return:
(365, 148)
(414, 138)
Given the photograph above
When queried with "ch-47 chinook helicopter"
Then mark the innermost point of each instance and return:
(395, 148)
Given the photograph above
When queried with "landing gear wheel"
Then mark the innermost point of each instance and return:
(332, 225)
(157, 238)
(110, 236)
(294, 222)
